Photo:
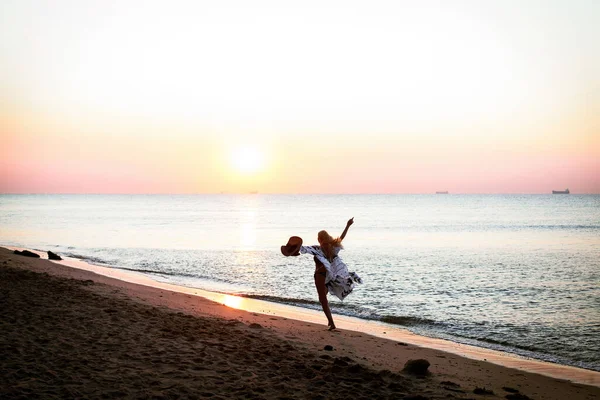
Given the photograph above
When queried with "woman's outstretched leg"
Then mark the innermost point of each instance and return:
(322, 291)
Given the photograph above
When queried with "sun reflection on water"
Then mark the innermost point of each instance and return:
(248, 235)
(248, 230)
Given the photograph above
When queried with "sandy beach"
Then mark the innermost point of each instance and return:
(70, 333)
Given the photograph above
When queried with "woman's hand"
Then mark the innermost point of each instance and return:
(350, 221)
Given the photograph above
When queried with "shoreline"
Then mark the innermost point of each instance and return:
(374, 328)
(362, 339)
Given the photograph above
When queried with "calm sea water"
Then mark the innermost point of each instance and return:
(510, 272)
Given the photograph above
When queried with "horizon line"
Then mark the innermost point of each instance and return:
(284, 194)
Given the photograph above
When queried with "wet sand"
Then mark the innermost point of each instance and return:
(71, 333)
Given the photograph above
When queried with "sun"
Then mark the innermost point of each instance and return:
(247, 160)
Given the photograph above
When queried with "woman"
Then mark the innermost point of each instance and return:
(331, 274)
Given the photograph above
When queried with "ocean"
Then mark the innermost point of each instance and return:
(516, 273)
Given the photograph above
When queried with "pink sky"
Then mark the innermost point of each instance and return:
(368, 97)
(64, 163)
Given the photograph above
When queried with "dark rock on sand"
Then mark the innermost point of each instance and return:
(53, 256)
(26, 253)
(482, 391)
(328, 347)
(416, 367)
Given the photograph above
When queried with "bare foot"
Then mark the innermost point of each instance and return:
(332, 328)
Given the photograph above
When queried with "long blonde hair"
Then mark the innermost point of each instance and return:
(328, 244)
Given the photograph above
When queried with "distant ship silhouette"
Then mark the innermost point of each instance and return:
(561, 191)
(444, 192)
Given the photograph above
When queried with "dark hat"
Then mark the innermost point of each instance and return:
(292, 248)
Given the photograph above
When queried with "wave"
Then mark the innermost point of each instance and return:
(282, 300)
(164, 273)
(517, 227)
(90, 259)
(406, 320)
(552, 227)
(508, 344)
(479, 226)
(348, 310)
(104, 263)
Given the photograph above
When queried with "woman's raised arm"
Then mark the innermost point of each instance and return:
(350, 222)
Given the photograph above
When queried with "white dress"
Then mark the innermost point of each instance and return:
(338, 280)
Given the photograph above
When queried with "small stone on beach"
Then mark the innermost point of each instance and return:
(26, 253)
(416, 367)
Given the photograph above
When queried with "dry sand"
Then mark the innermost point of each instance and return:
(71, 333)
